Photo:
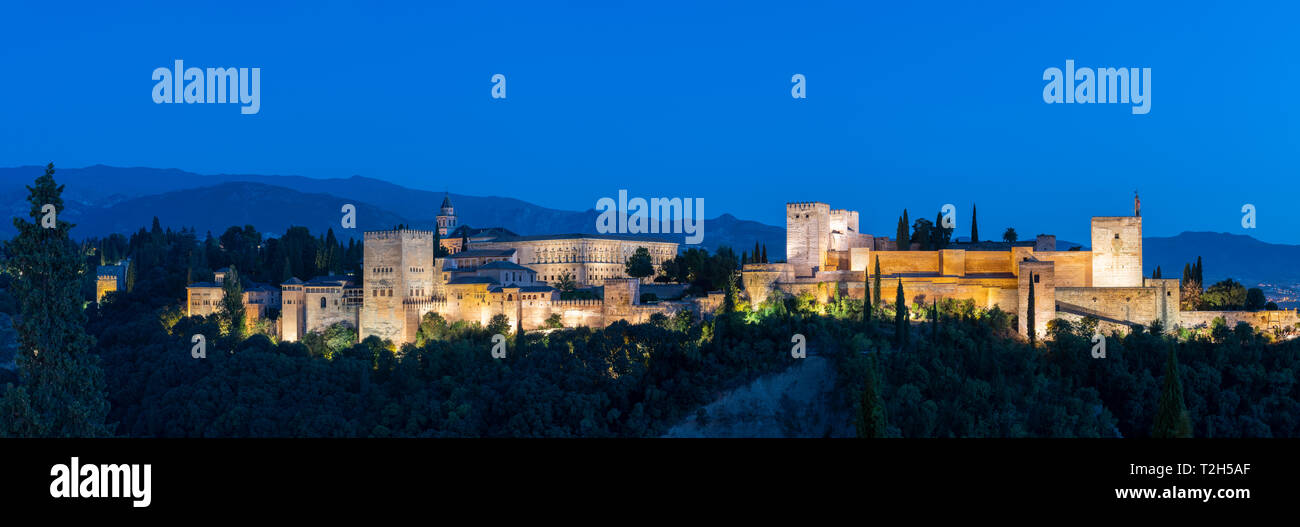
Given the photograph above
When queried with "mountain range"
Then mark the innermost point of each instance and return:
(103, 200)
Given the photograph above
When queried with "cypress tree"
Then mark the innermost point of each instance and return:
(866, 301)
(875, 299)
(1029, 313)
(900, 317)
(871, 410)
(1172, 419)
(464, 240)
(938, 240)
(61, 390)
(904, 240)
(232, 304)
(764, 258)
(519, 337)
(757, 249)
(1187, 274)
(974, 227)
(934, 320)
(1200, 276)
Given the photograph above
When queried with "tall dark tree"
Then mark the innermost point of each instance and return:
(1029, 314)
(871, 410)
(639, 265)
(866, 301)
(763, 259)
(1010, 235)
(974, 226)
(875, 299)
(232, 305)
(1200, 272)
(934, 321)
(1172, 419)
(904, 241)
(61, 390)
(1156, 274)
(901, 324)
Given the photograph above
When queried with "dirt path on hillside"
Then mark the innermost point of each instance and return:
(792, 403)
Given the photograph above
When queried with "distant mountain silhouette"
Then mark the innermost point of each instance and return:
(269, 209)
(1223, 255)
(102, 199)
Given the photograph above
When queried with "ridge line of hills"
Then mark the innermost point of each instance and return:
(102, 200)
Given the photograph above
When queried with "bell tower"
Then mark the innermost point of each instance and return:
(446, 217)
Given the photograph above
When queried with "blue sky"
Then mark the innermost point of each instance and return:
(908, 106)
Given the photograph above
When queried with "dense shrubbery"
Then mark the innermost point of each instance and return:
(970, 376)
(625, 380)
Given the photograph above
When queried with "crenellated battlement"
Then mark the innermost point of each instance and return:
(407, 234)
(806, 205)
(577, 303)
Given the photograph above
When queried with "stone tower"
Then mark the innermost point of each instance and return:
(446, 217)
(293, 316)
(807, 236)
(1117, 251)
(398, 270)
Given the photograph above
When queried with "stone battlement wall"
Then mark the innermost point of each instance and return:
(1262, 320)
(408, 234)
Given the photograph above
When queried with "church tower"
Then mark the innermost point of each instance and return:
(446, 217)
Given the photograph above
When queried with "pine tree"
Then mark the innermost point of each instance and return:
(232, 305)
(875, 298)
(1029, 313)
(871, 410)
(974, 227)
(61, 392)
(900, 318)
(1172, 419)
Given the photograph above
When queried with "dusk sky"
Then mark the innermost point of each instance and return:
(907, 106)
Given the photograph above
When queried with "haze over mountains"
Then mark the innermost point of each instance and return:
(102, 200)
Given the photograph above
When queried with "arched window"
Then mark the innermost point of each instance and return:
(322, 302)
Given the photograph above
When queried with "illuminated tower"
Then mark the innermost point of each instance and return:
(446, 217)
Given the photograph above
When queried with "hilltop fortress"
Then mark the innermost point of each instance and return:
(499, 273)
(826, 256)
(496, 272)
